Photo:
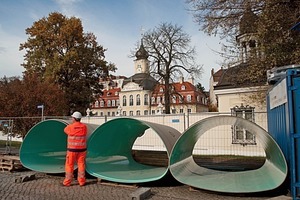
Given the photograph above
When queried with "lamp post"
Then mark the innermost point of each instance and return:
(41, 107)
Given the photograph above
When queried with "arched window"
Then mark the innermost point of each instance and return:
(146, 99)
(97, 104)
(138, 100)
(101, 103)
(108, 103)
(173, 99)
(189, 98)
(131, 100)
(152, 100)
(124, 100)
(158, 100)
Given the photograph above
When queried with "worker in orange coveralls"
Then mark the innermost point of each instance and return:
(76, 149)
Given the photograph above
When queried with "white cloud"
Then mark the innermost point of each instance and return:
(117, 26)
(68, 7)
(10, 56)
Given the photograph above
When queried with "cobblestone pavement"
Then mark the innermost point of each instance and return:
(45, 186)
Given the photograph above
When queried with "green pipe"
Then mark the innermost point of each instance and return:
(269, 176)
(109, 154)
(44, 146)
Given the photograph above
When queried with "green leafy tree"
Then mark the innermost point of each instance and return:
(59, 51)
(170, 55)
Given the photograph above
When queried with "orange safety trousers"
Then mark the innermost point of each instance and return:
(71, 159)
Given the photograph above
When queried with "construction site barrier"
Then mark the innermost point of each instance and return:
(44, 146)
(184, 169)
(110, 157)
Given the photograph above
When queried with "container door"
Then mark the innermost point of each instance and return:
(296, 127)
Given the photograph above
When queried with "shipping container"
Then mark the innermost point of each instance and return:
(283, 110)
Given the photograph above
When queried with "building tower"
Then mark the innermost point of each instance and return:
(141, 64)
(247, 39)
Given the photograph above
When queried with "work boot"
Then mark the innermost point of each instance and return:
(68, 179)
(81, 178)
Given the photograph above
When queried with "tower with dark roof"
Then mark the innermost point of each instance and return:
(247, 39)
(141, 64)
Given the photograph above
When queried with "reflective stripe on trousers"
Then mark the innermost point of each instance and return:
(71, 159)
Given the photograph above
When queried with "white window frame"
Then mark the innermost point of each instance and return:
(240, 135)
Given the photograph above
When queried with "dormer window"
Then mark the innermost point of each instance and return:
(116, 93)
(173, 99)
(183, 87)
(189, 98)
(161, 89)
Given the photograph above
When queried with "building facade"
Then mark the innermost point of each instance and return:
(141, 94)
(235, 92)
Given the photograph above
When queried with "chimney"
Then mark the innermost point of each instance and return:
(181, 79)
(212, 71)
(191, 80)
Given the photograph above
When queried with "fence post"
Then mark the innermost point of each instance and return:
(188, 120)
(184, 123)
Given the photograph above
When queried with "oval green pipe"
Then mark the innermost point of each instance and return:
(184, 169)
(110, 157)
(44, 147)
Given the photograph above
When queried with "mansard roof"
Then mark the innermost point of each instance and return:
(216, 76)
(238, 77)
(144, 80)
(114, 92)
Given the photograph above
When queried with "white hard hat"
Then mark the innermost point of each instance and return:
(77, 115)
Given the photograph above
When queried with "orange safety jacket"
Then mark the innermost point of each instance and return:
(76, 132)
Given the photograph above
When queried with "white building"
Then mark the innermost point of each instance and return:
(141, 94)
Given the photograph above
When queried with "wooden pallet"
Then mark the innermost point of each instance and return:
(10, 163)
(115, 184)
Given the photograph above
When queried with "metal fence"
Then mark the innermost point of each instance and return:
(216, 141)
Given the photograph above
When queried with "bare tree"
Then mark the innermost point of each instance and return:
(170, 56)
(273, 27)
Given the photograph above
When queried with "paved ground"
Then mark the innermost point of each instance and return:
(45, 186)
(48, 187)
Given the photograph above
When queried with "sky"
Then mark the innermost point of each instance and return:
(117, 24)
